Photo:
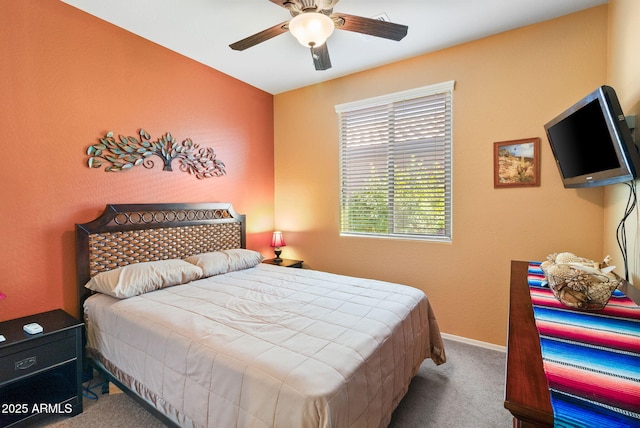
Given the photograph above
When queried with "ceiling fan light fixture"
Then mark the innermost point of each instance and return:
(311, 29)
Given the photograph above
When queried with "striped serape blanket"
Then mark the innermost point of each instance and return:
(591, 359)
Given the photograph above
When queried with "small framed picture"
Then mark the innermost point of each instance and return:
(516, 163)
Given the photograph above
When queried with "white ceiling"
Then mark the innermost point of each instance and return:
(203, 29)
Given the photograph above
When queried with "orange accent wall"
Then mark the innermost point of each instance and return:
(67, 78)
(507, 87)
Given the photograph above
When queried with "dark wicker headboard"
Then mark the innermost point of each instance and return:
(134, 233)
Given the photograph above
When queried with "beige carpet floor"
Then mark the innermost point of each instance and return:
(115, 410)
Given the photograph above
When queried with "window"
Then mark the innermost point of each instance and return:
(395, 164)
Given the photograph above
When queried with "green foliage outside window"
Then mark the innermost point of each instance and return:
(409, 200)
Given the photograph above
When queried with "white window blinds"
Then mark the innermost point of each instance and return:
(395, 164)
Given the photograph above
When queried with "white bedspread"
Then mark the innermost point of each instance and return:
(268, 347)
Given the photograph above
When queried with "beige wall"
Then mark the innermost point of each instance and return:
(624, 76)
(507, 87)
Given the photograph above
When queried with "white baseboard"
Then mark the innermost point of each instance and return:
(474, 342)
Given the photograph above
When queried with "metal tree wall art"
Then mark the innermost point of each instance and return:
(124, 153)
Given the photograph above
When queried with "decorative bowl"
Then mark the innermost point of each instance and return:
(580, 283)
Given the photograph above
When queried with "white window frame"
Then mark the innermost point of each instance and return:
(376, 128)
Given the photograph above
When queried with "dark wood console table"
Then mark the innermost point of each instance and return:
(527, 393)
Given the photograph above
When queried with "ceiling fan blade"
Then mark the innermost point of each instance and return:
(372, 27)
(260, 37)
(282, 3)
(320, 57)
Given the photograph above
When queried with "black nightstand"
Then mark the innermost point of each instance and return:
(285, 263)
(40, 374)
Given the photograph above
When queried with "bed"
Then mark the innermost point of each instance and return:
(185, 319)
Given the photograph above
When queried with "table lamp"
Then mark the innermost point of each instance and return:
(277, 241)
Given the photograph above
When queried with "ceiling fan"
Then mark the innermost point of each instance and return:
(312, 23)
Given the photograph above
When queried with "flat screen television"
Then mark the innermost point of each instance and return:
(592, 143)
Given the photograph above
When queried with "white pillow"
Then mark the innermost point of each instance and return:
(139, 278)
(211, 264)
(218, 262)
(240, 258)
